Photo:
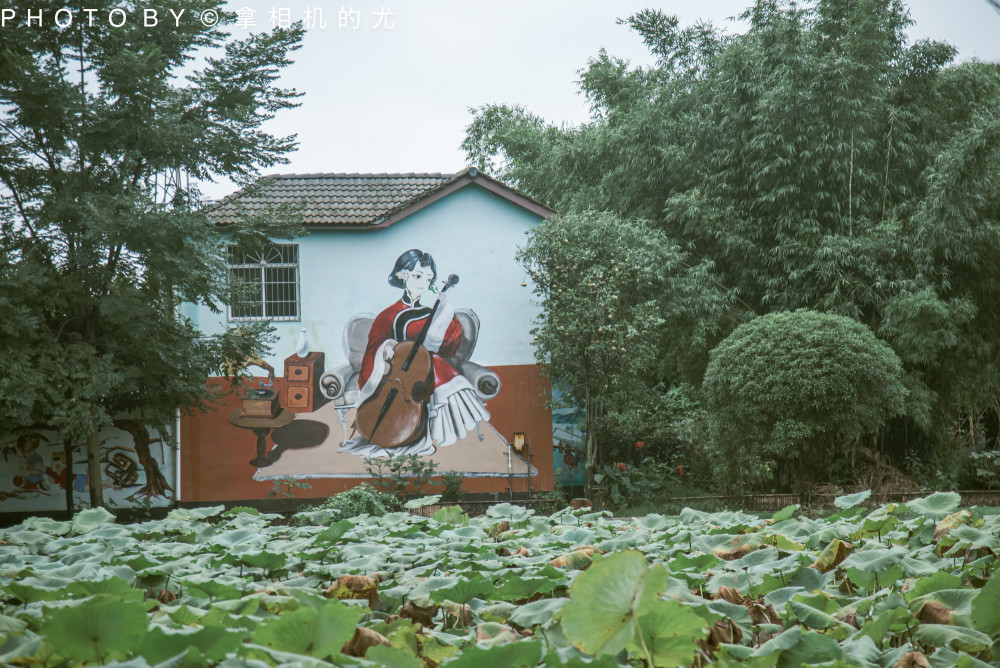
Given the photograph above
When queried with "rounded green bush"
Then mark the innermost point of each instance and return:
(786, 390)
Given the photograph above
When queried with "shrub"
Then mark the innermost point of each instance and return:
(452, 483)
(361, 500)
(402, 475)
(786, 390)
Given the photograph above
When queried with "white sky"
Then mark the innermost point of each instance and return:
(381, 100)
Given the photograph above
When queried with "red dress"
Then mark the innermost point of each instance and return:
(454, 408)
(402, 322)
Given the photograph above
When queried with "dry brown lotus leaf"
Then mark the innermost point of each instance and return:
(762, 613)
(932, 612)
(730, 595)
(850, 619)
(913, 660)
(577, 504)
(358, 587)
(363, 640)
(498, 529)
(166, 596)
(737, 551)
(951, 522)
(579, 559)
(506, 633)
(419, 613)
(453, 610)
(519, 552)
(724, 631)
(734, 553)
(846, 586)
(835, 552)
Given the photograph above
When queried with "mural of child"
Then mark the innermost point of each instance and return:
(30, 474)
(57, 472)
(454, 408)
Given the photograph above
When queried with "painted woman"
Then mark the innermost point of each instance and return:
(454, 408)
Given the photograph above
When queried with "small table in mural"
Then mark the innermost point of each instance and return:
(261, 426)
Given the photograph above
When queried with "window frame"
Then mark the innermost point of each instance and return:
(274, 257)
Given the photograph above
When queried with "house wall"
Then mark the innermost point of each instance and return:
(472, 233)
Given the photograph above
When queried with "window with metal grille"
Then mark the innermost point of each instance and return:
(267, 283)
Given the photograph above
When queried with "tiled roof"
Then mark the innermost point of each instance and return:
(355, 199)
(331, 199)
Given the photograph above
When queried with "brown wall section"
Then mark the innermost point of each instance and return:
(215, 455)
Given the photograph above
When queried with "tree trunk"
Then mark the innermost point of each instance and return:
(70, 487)
(156, 484)
(94, 475)
(590, 457)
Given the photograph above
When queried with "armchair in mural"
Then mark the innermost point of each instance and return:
(341, 384)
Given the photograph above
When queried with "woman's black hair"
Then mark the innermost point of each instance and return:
(408, 261)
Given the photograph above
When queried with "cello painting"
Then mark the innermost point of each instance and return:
(411, 399)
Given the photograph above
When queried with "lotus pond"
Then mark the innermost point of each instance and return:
(901, 585)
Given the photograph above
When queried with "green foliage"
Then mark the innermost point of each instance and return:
(97, 249)
(361, 500)
(403, 475)
(614, 295)
(987, 468)
(285, 487)
(451, 482)
(817, 160)
(786, 392)
(626, 485)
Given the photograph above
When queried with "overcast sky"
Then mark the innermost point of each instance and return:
(388, 83)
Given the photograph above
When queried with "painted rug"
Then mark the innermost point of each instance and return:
(309, 447)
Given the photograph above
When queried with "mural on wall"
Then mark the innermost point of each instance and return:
(408, 387)
(568, 446)
(137, 469)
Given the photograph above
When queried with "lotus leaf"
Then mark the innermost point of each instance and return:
(785, 513)
(937, 505)
(852, 500)
(667, 633)
(464, 590)
(604, 602)
(189, 514)
(212, 642)
(97, 629)
(956, 637)
(986, 607)
(390, 657)
(537, 613)
(318, 633)
(512, 586)
(874, 560)
(88, 520)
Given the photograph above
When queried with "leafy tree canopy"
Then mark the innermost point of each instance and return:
(784, 390)
(819, 160)
(616, 293)
(97, 246)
